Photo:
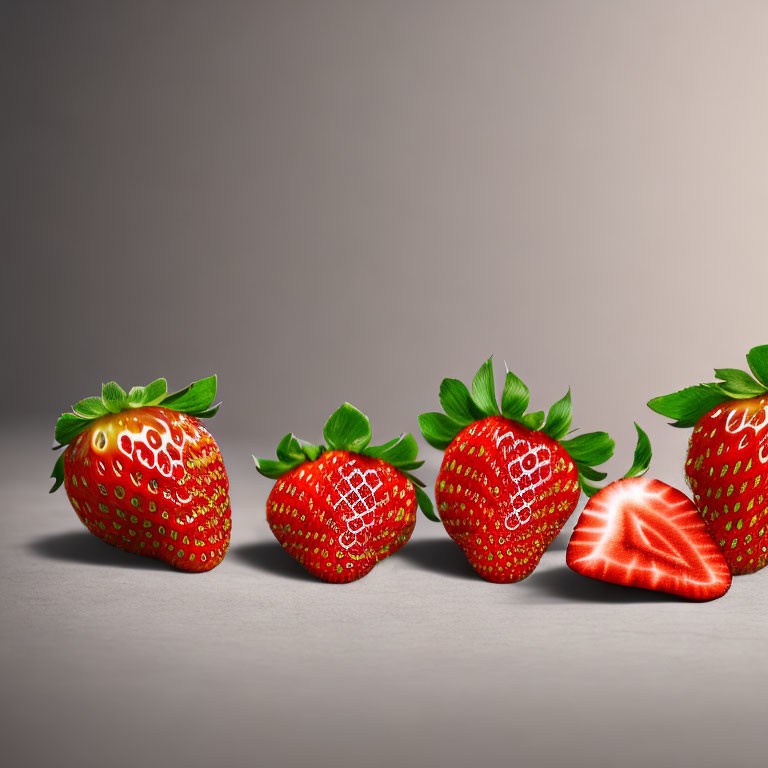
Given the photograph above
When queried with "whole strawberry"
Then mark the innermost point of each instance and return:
(508, 480)
(727, 463)
(144, 474)
(339, 510)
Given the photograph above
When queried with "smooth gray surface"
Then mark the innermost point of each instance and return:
(110, 659)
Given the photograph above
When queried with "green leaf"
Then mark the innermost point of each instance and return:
(438, 429)
(533, 420)
(589, 490)
(289, 450)
(738, 384)
(155, 392)
(590, 449)
(69, 426)
(757, 358)
(559, 417)
(425, 504)
(457, 402)
(312, 452)
(114, 397)
(58, 473)
(642, 459)
(484, 390)
(193, 399)
(376, 450)
(403, 450)
(90, 408)
(592, 474)
(136, 397)
(207, 414)
(272, 469)
(409, 466)
(515, 398)
(688, 405)
(347, 429)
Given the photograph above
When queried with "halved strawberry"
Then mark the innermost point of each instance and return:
(727, 463)
(144, 474)
(508, 480)
(339, 510)
(640, 532)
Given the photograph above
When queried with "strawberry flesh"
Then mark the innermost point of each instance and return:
(640, 532)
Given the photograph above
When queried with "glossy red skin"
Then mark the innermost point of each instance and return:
(501, 515)
(727, 472)
(335, 539)
(640, 532)
(152, 481)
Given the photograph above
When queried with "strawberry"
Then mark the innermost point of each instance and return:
(727, 463)
(144, 474)
(640, 532)
(339, 510)
(508, 480)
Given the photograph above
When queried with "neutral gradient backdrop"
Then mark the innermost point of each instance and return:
(326, 201)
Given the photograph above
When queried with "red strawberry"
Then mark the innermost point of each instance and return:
(145, 475)
(508, 481)
(640, 532)
(340, 510)
(727, 463)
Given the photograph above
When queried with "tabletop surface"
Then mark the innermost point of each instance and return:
(107, 656)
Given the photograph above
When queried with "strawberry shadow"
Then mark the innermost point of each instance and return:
(564, 584)
(560, 544)
(442, 556)
(85, 548)
(270, 557)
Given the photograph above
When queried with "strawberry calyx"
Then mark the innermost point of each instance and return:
(642, 458)
(348, 429)
(688, 405)
(196, 399)
(640, 463)
(462, 408)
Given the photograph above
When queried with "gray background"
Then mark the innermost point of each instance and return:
(328, 201)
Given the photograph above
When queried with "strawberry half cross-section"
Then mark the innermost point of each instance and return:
(640, 532)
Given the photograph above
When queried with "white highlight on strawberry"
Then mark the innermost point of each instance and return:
(736, 421)
(529, 468)
(358, 496)
(142, 449)
(754, 422)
